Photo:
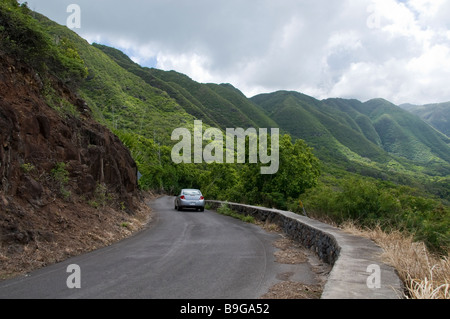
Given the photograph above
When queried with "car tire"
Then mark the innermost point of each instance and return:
(202, 209)
(179, 208)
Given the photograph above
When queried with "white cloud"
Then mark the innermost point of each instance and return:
(195, 65)
(398, 50)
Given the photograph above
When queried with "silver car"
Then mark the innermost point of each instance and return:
(190, 198)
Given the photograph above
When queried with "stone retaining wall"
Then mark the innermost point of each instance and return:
(358, 270)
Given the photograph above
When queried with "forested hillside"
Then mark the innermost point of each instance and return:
(221, 106)
(437, 115)
(375, 132)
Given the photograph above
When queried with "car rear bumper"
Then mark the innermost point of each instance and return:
(191, 203)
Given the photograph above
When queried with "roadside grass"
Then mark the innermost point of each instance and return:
(425, 275)
(224, 209)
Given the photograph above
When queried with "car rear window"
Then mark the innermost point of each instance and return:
(191, 192)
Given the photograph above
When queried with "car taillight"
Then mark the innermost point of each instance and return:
(182, 197)
(202, 198)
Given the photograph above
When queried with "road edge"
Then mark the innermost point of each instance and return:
(358, 269)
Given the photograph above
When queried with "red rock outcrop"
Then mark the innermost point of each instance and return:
(32, 133)
(34, 139)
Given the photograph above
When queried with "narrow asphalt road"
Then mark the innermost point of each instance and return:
(181, 255)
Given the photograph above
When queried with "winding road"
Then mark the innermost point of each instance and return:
(180, 255)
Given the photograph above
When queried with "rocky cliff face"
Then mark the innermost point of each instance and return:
(32, 133)
(54, 165)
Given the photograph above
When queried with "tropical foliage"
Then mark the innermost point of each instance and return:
(299, 170)
(26, 39)
(371, 202)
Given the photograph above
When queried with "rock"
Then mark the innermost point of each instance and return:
(32, 132)
(30, 189)
(34, 138)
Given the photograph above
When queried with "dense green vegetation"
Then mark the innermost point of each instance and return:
(437, 115)
(378, 163)
(24, 38)
(299, 170)
(220, 106)
(370, 202)
(54, 58)
(375, 133)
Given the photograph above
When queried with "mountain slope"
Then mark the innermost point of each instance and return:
(419, 142)
(221, 106)
(297, 118)
(153, 102)
(181, 96)
(118, 98)
(349, 131)
(346, 133)
(437, 115)
(330, 132)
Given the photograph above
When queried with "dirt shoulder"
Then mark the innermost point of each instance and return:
(61, 230)
(290, 252)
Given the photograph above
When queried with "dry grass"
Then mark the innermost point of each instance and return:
(425, 275)
(293, 290)
(289, 252)
(268, 226)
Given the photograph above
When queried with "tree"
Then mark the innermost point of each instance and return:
(298, 171)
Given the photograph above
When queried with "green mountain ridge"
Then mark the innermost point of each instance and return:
(375, 135)
(339, 130)
(221, 106)
(437, 115)
(348, 130)
(120, 99)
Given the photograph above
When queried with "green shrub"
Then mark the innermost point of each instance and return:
(27, 168)
(60, 176)
(370, 203)
(224, 209)
(101, 197)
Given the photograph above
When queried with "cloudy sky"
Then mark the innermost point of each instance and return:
(395, 49)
